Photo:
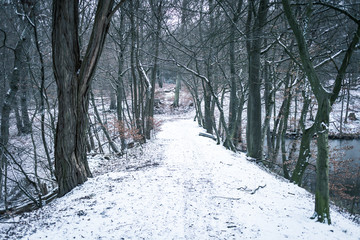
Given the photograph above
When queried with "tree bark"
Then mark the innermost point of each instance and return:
(322, 163)
(24, 106)
(177, 91)
(156, 8)
(325, 100)
(133, 35)
(253, 42)
(73, 78)
(234, 101)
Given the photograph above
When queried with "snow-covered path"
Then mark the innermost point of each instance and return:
(198, 191)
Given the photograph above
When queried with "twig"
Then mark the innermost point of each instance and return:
(229, 198)
(250, 190)
(253, 192)
(135, 168)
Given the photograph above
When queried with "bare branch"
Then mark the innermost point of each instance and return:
(288, 52)
(116, 8)
(346, 13)
(245, 189)
(331, 58)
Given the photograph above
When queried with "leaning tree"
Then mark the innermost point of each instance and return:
(325, 100)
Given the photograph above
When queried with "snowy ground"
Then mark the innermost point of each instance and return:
(191, 189)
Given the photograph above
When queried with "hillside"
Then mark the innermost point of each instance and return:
(181, 186)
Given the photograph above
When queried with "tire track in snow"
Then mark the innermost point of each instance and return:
(187, 153)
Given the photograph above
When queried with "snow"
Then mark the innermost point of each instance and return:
(192, 189)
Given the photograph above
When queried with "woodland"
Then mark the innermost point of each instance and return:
(276, 79)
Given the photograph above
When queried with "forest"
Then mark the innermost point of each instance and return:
(83, 79)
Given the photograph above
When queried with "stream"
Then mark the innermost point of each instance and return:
(344, 159)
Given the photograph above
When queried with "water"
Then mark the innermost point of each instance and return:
(344, 170)
(349, 148)
(339, 149)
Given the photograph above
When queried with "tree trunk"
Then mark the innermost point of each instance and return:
(207, 109)
(254, 39)
(234, 102)
(112, 99)
(119, 100)
(304, 151)
(238, 130)
(156, 7)
(177, 91)
(42, 103)
(347, 101)
(24, 106)
(19, 124)
(10, 98)
(73, 78)
(325, 101)
(322, 163)
(133, 34)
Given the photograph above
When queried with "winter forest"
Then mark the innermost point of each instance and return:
(180, 119)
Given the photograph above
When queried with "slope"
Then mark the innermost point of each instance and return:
(193, 189)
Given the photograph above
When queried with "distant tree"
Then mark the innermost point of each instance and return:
(10, 98)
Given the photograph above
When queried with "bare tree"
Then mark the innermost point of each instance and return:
(254, 26)
(325, 100)
(73, 75)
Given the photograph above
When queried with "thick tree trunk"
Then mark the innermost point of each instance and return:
(254, 39)
(73, 78)
(325, 101)
(322, 163)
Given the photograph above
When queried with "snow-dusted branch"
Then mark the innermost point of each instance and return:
(147, 80)
(331, 58)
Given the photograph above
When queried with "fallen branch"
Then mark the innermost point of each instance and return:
(148, 164)
(250, 190)
(229, 198)
(207, 135)
(30, 205)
